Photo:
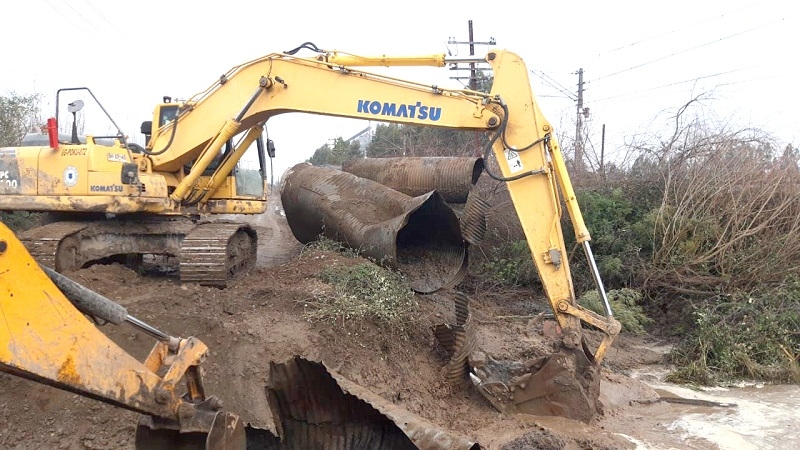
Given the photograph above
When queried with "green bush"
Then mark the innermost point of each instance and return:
(742, 336)
(510, 264)
(625, 306)
(364, 291)
(21, 220)
(620, 235)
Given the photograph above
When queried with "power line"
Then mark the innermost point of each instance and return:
(779, 75)
(690, 80)
(114, 27)
(679, 29)
(61, 14)
(555, 96)
(554, 81)
(554, 84)
(695, 47)
(91, 24)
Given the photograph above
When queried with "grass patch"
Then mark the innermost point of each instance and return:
(363, 292)
(625, 306)
(326, 244)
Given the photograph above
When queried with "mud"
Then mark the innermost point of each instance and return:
(259, 319)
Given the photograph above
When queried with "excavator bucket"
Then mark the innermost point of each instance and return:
(218, 430)
(565, 383)
(207, 430)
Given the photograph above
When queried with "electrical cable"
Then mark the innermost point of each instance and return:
(672, 84)
(694, 48)
(91, 24)
(557, 86)
(103, 17)
(759, 3)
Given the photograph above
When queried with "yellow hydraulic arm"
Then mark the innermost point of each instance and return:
(46, 338)
(523, 142)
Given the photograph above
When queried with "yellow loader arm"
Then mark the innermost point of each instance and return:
(47, 339)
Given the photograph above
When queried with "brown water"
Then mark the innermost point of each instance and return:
(764, 417)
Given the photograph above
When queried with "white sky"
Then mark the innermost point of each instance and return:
(641, 59)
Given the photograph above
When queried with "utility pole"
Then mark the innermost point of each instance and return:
(579, 126)
(473, 74)
(603, 153)
(473, 68)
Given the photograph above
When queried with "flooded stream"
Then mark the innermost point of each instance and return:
(749, 416)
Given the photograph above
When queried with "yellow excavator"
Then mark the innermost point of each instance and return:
(154, 200)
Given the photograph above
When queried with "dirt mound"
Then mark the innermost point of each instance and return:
(260, 319)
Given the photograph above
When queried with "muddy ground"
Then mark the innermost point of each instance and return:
(260, 318)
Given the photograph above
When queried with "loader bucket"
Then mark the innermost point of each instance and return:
(206, 430)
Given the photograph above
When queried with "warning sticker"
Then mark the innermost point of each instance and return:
(514, 163)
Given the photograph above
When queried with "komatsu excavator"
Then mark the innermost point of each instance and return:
(188, 168)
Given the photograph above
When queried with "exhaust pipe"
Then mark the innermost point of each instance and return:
(419, 236)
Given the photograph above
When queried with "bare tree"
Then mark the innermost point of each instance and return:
(730, 215)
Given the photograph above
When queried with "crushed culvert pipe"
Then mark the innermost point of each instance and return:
(451, 177)
(314, 407)
(418, 236)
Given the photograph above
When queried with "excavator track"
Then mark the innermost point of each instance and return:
(213, 252)
(208, 253)
(43, 244)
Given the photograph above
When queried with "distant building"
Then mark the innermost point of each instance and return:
(363, 137)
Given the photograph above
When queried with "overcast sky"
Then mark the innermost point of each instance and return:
(641, 59)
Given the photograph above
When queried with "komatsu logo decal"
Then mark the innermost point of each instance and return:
(411, 111)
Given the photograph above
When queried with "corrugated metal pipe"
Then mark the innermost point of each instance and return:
(419, 236)
(451, 177)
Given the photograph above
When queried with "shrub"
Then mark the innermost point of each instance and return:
(742, 336)
(625, 306)
(510, 264)
(364, 291)
(19, 221)
(618, 236)
(326, 244)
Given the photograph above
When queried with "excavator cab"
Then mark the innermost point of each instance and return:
(164, 112)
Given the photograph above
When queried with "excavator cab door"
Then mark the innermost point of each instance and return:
(250, 179)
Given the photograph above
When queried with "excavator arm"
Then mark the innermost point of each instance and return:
(522, 141)
(46, 338)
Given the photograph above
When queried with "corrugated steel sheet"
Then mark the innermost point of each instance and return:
(458, 340)
(316, 408)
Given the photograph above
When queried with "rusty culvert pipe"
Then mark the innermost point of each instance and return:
(419, 236)
(451, 177)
